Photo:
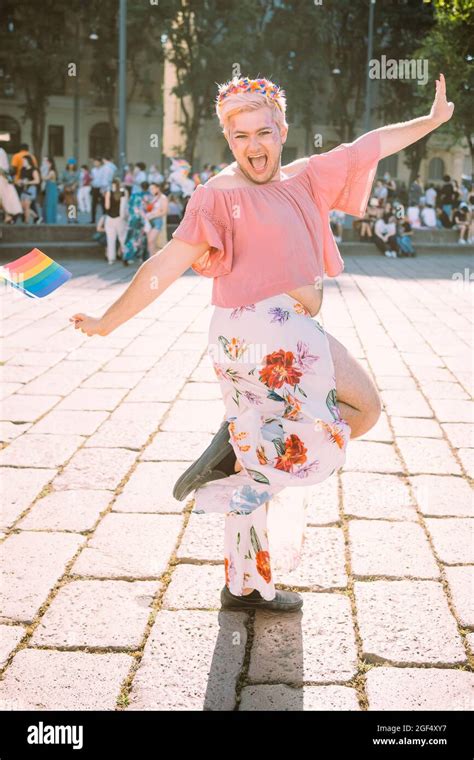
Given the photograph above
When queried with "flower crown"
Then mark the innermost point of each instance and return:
(259, 86)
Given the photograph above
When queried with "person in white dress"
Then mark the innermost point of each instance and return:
(9, 199)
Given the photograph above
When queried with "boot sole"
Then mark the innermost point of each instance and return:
(261, 606)
(229, 604)
(219, 447)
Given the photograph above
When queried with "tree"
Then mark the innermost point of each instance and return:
(37, 52)
(208, 42)
(399, 32)
(449, 47)
(145, 23)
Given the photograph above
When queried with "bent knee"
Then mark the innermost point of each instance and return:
(374, 407)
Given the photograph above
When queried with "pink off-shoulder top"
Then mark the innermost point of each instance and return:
(276, 237)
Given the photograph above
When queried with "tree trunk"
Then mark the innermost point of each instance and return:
(112, 125)
(470, 142)
(38, 120)
(191, 138)
(35, 111)
(414, 154)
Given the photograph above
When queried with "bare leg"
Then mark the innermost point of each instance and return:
(151, 239)
(357, 396)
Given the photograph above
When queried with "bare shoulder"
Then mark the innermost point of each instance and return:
(296, 166)
(227, 179)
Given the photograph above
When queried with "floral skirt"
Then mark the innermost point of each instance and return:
(277, 378)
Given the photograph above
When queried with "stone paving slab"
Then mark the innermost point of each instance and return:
(390, 549)
(150, 488)
(18, 408)
(41, 680)
(20, 487)
(80, 422)
(440, 496)
(203, 417)
(9, 431)
(322, 503)
(368, 456)
(315, 644)
(171, 678)
(377, 496)
(467, 460)
(102, 468)
(75, 510)
(283, 697)
(407, 623)
(322, 563)
(461, 583)
(428, 455)
(460, 434)
(10, 637)
(92, 613)
(453, 539)
(36, 450)
(436, 689)
(177, 446)
(380, 431)
(203, 539)
(129, 545)
(194, 587)
(417, 427)
(30, 566)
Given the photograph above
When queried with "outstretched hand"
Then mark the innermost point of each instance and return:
(88, 325)
(441, 110)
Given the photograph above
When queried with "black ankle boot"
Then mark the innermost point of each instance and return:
(217, 461)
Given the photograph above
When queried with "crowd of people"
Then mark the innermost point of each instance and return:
(394, 212)
(134, 209)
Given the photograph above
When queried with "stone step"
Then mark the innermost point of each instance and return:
(56, 249)
(12, 233)
(18, 233)
(90, 249)
(366, 249)
(76, 241)
(350, 235)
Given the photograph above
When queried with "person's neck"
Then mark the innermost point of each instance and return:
(277, 177)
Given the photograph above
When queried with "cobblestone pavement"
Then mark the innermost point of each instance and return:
(110, 592)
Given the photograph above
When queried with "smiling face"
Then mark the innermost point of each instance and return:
(256, 142)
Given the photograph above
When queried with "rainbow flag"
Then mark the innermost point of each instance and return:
(35, 273)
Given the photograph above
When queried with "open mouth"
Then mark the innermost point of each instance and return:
(258, 162)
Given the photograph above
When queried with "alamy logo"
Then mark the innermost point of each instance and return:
(408, 68)
(42, 734)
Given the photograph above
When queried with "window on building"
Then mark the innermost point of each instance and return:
(7, 88)
(10, 134)
(100, 143)
(55, 140)
(436, 169)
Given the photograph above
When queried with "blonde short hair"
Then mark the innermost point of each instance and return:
(243, 94)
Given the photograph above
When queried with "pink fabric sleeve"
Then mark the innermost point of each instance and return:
(342, 178)
(205, 221)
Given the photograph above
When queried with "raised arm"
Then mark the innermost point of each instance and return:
(395, 137)
(150, 280)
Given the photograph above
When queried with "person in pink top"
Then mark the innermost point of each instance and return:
(293, 395)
